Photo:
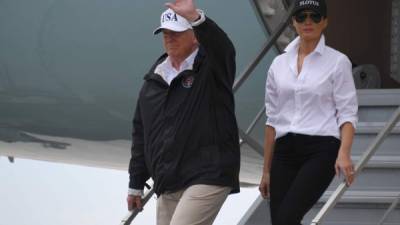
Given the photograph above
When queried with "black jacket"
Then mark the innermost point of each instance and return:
(186, 133)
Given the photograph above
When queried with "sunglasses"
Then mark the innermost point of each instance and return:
(302, 16)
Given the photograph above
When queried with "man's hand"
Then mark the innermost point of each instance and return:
(184, 8)
(134, 202)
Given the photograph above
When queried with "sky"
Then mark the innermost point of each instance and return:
(44, 193)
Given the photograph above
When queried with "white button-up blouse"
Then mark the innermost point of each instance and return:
(315, 102)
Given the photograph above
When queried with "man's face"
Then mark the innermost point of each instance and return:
(179, 44)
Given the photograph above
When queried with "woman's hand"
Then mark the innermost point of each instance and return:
(264, 185)
(345, 166)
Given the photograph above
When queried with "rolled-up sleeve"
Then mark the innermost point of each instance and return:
(345, 94)
(271, 99)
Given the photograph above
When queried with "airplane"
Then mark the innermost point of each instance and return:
(70, 71)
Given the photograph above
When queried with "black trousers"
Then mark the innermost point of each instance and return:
(302, 168)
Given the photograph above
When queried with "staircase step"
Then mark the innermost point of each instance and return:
(389, 146)
(378, 97)
(355, 208)
(373, 179)
(377, 105)
(358, 208)
(381, 162)
(366, 132)
(375, 128)
(361, 197)
(356, 214)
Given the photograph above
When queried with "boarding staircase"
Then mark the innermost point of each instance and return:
(374, 198)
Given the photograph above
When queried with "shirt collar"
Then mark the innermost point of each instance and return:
(321, 45)
(293, 49)
(294, 46)
(168, 72)
(187, 64)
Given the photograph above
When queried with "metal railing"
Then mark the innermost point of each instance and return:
(251, 142)
(264, 50)
(389, 210)
(337, 194)
(271, 42)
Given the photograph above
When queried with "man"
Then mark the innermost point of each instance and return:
(185, 133)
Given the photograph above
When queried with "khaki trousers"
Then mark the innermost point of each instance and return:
(195, 205)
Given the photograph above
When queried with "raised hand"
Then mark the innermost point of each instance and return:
(185, 8)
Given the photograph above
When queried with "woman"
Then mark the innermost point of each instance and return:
(312, 111)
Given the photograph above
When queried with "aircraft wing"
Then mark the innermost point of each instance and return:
(113, 154)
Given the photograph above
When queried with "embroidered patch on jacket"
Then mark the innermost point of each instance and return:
(187, 82)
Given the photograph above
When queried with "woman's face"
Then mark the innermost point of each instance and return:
(309, 24)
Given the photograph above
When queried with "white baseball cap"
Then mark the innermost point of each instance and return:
(172, 21)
